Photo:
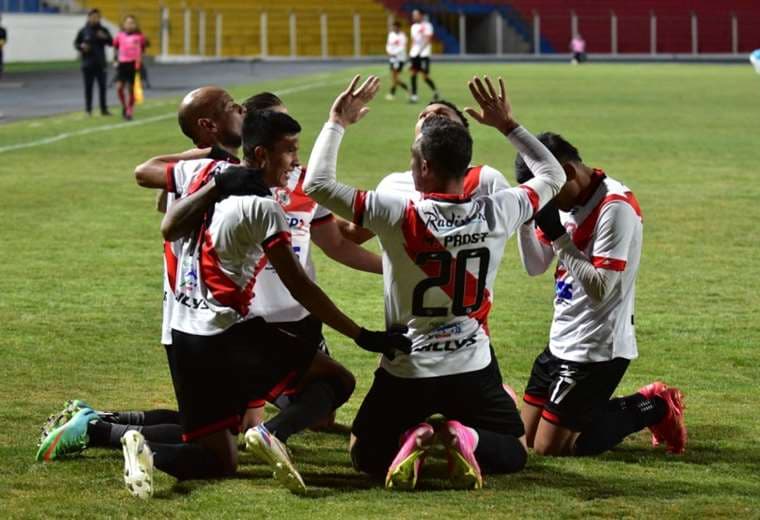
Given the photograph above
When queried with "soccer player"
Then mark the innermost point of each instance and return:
(130, 45)
(395, 47)
(422, 46)
(212, 120)
(440, 256)
(222, 353)
(594, 229)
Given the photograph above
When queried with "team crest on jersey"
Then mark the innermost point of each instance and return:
(282, 197)
(189, 276)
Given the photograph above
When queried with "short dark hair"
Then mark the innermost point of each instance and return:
(265, 128)
(453, 107)
(262, 101)
(446, 146)
(557, 145)
(92, 12)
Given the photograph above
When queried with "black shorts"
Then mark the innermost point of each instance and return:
(420, 64)
(394, 404)
(215, 377)
(126, 71)
(397, 65)
(569, 392)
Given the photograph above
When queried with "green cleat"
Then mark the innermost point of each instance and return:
(69, 438)
(70, 408)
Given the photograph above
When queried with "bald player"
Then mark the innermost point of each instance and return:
(212, 120)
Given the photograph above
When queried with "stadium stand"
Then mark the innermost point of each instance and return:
(241, 25)
(673, 22)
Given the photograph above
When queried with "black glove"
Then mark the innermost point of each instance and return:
(548, 221)
(238, 180)
(220, 154)
(386, 343)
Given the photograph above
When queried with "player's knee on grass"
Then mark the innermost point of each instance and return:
(367, 458)
(552, 440)
(223, 445)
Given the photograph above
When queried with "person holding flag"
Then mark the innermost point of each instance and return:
(130, 45)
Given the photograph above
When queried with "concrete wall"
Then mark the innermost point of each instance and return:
(43, 37)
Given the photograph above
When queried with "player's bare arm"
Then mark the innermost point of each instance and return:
(309, 295)
(329, 238)
(353, 232)
(152, 173)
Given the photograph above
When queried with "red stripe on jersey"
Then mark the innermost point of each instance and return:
(541, 236)
(582, 235)
(280, 387)
(447, 197)
(418, 239)
(322, 220)
(552, 418)
(257, 403)
(532, 196)
(171, 265)
(299, 201)
(223, 289)
(613, 264)
(472, 180)
(534, 400)
(169, 173)
(202, 178)
(360, 200)
(277, 238)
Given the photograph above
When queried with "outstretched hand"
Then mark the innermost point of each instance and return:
(351, 105)
(495, 109)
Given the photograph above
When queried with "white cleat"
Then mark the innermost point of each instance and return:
(270, 450)
(390, 97)
(138, 465)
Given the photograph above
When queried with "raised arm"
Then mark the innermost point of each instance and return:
(320, 182)
(536, 256)
(496, 111)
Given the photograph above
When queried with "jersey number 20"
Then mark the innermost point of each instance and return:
(443, 259)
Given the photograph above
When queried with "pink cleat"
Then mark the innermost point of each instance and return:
(671, 429)
(460, 443)
(405, 468)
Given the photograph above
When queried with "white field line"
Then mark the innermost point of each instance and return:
(140, 122)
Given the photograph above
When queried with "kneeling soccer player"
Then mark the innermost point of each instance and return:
(441, 255)
(223, 355)
(592, 338)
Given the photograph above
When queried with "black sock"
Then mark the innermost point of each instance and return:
(108, 435)
(186, 461)
(430, 84)
(620, 418)
(499, 453)
(146, 418)
(403, 85)
(315, 402)
(393, 90)
(414, 85)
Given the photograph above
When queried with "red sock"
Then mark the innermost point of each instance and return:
(123, 101)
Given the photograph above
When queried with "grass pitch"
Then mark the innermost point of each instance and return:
(80, 279)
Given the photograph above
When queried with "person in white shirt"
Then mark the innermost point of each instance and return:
(395, 47)
(441, 254)
(594, 228)
(422, 47)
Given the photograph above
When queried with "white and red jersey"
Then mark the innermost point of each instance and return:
(274, 302)
(178, 176)
(395, 47)
(608, 229)
(441, 254)
(422, 39)
(480, 180)
(217, 269)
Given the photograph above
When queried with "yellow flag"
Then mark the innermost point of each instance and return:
(139, 96)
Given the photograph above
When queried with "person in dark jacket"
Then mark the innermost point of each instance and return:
(91, 42)
(3, 40)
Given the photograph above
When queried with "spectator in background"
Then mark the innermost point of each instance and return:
(754, 58)
(3, 39)
(91, 42)
(130, 45)
(578, 48)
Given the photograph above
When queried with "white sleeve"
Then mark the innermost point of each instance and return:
(388, 47)
(180, 174)
(514, 206)
(320, 183)
(614, 233)
(265, 222)
(492, 180)
(536, 256)
(549, 177)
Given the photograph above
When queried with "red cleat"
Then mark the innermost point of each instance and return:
(671, 429)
